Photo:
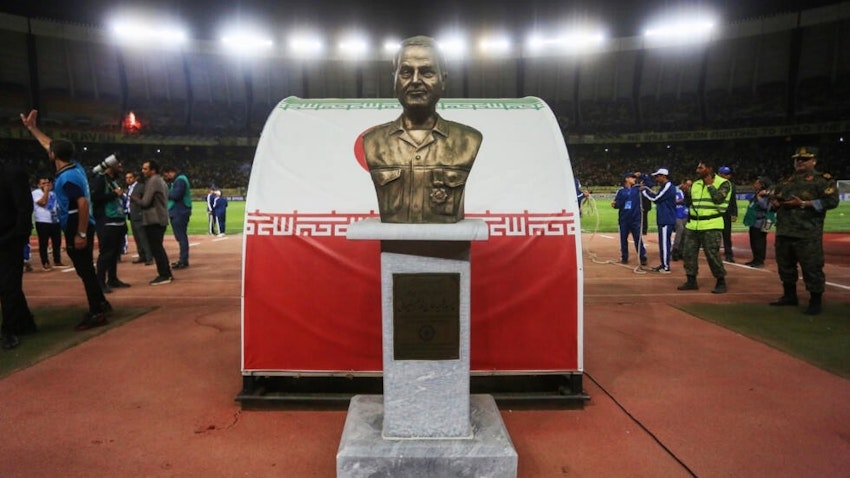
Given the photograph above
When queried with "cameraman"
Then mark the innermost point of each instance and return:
(758, 219)
(644, 180)
(107, 198)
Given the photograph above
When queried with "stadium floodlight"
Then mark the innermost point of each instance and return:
(142, 33)
(495, 45)
(680, 27)
(579, 40)
(453, 47)
(391, 46)
(246, 43)
(354, 46)
(306, 45)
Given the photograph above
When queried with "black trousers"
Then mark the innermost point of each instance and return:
(143, 247)
(727, 238)
(83, 264)
(758, 244)
(155, 235)
(16, 312)
(49, 232)
(110, 241)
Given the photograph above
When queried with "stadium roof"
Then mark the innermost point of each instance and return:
(402, 18)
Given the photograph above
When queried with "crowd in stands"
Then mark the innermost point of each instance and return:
(593, 164)
(815, 100)
(599, 165)
(221, 166)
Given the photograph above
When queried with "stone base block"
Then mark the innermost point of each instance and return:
(363, 452)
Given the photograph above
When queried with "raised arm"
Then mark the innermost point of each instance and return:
(29, 122)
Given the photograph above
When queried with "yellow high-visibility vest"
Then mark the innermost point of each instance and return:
(704, 213)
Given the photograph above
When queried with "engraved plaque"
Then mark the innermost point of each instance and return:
(426, 316)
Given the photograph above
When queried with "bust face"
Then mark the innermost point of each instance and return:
(418, 79)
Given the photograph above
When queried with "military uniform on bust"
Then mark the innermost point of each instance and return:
(421, 183)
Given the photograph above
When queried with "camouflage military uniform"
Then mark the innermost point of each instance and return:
(710, 242)
(799, 230)
(705, 226)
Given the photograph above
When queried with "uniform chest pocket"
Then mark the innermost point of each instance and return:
(389, 189)
(446, 195)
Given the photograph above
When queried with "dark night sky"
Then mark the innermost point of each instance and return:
(403, 18)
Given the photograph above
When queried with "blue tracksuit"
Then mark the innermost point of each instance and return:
(627, 201)
(220, 212)
(665, 212)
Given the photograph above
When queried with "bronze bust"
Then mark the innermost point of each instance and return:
(420, 162)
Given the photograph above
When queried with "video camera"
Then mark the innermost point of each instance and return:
(110, 161)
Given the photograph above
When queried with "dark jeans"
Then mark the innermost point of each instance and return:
(727, 238)
(155, 234)
(758, 244)
(143, 247)
(180, 226)
(83, 263)
(16, 313)
(110, 241)
(49, 232)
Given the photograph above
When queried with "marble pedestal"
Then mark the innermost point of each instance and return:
(363, 452)
(425, 424)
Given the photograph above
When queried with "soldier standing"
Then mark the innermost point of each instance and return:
(707, 200)
(801, 201)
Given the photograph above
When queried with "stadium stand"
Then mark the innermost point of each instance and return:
(744, 98)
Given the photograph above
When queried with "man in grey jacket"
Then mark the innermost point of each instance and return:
(154, 204)
(135, 187)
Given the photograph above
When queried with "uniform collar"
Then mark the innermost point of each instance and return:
(439, 127)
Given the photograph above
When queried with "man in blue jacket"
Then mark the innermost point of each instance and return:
(179, 211)
(220, 212)
(212, 230)
(665, 214)
(627, 200)
(75, 218)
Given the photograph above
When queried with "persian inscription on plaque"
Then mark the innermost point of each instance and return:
(426, 316)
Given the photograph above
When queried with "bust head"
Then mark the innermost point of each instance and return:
(419, 75)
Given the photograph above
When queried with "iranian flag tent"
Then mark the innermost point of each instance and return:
(312, 299)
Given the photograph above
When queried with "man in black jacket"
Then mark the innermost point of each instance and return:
(15, 227)
(730, 216)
